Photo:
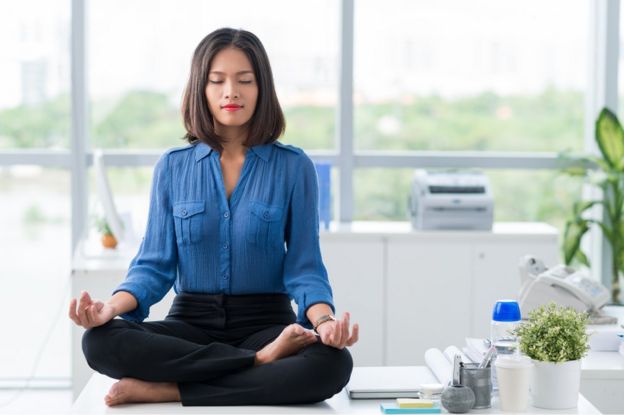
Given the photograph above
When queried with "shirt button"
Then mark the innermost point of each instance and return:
(226, 245)
(184, 212)
(226, 215)
(225, 276)
(265, 214)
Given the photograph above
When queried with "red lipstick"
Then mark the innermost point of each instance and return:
(232, 107)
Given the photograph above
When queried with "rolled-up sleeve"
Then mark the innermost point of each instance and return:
(153, 270)
(305, 276)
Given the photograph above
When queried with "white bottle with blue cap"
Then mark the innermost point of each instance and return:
(505, 319)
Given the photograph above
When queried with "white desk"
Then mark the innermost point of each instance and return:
(91, 401)
(602, 379)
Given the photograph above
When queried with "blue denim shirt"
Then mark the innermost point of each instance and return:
(264, 239)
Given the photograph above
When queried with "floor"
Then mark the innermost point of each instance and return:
(35, 401)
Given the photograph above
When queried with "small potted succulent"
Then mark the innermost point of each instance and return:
(108, 239)
(555, 339)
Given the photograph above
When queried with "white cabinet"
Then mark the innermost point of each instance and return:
(356, 273)
(428, 298)
(441, 286)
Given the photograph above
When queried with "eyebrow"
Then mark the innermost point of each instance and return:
(237, 73)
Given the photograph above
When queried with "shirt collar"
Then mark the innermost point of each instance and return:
(202, 150)
(263, 151)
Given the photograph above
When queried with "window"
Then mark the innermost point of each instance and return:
(35, 246)
(34, 74)
(468, 76)
(138, 71)
(479, 75)
(34, 200)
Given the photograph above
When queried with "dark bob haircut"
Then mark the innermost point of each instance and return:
(267, 122)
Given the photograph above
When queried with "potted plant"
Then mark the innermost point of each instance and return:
(606, 172)
(108, 239)
(555, 339)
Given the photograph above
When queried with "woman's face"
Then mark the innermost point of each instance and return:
(231, 90)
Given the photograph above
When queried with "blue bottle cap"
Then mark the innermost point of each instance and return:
(506, 310)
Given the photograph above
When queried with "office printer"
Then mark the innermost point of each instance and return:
(451, 200)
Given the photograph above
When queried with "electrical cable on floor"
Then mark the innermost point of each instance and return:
(46, 339)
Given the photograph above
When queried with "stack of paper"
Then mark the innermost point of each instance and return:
(411, 406)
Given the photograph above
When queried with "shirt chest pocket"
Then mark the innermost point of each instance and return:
(188, 221)
(265, 224)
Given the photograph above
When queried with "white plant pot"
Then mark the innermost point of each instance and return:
(555, 385)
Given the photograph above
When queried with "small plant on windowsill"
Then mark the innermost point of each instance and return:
(108, 239)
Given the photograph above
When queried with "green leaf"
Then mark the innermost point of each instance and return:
(574, 231)
(582, 258)
(582, 206)
(606, 231)
(610, 138)
(553, 334)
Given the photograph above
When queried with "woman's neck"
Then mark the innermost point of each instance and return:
(232, 141)
(233, 150)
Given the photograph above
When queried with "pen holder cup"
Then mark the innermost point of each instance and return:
(480, 381)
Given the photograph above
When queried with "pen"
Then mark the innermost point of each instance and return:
(487, 357)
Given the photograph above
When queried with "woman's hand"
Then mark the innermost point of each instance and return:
(90, 313)
(336, 333)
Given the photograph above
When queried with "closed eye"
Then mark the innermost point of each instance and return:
(245, 82)
(215, 81)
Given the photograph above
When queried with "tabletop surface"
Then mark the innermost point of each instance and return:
(91, 401)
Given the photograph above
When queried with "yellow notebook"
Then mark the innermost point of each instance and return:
(414, 403)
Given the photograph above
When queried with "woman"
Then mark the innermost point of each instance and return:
(233, 226)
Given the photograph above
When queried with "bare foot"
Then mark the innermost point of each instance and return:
(292, 339)
(134, 390)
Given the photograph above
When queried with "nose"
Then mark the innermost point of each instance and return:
(231, 90)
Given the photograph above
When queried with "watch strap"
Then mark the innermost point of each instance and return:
(323, 319)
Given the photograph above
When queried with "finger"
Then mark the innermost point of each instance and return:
(354, 336)
(87, 317)
(92, 313)
(338, 330)
(85, 299)
(345, 330)
(72, 311)
(83, 304)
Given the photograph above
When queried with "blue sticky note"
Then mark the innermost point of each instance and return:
(392, 408)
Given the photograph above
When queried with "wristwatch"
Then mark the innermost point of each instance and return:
(323, 319)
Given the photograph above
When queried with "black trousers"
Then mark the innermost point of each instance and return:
(207, 345)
